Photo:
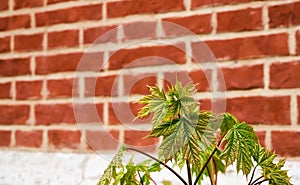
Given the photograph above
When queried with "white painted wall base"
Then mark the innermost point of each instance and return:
(37, 168)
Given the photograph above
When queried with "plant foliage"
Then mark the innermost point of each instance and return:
(193, 138)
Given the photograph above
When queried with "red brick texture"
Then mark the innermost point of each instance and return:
(64, 62)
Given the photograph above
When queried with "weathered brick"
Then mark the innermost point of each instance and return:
(298, 42)
(102, 140)
(285, 75)
(69, 62)
(14, 22)
(29, 42)
(5, 136)
(239, 78)
(284, 15)
(15, 67)
(286, 143)
(240, 20)
(88, 113)
(62, 88)
(18, 4)
(200, 3)
(100, 34)
(146, 56)
(137, 84)
(261, 110)
(14, 114)
(60, 139)
(57, 1)
(69, 15)
(130, 7)
(140, 30)
(101, 86)
(202, 79)
(298, 103)
(67, 38)
(4, 5)
(261, 137)
(197, 24)
(31, 138)
(4, 44)
(5, 90)
(137, 139)
(248, 47)
(47, 114)
(28, 90)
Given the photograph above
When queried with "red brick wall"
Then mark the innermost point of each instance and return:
(257, 45)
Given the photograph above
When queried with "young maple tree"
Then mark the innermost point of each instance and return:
(189, 138)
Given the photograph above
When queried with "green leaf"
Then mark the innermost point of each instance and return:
(227, 123)
(276, 175)
(263, 157)
(111, 171)
(240, 140)
(164, 129)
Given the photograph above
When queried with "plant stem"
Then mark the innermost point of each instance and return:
(252, 175)
(261, 181)
(141, 180)
(204, 166)
(160, 162)
(257, 179)
(209, 175)
(189, 172)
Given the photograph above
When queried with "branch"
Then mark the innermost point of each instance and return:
(141, 180)
(252, 176)
(206, 163)
(160, 162)
(261, 181)
(189, 172)
(257, 180)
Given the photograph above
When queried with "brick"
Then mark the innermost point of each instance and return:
(100, 34)
(14, 114)
(28, 90)
(201, 3)
(137, 138)
(146, 56)
(32, 138)
(69, 62)
(202, 79)
(286, 143)
(4, 44)
(261, 110)
(48, 114)
(123, 113)
(15, 67)
(285, 75)
(198, 24)
(140, 30)
(30, 42)
(284, 15)
(4, 5)
(62, 88)
(5, 89)
(261, 137)
(235, 20)
(137, 84)
(69, 15)
(102, 140)
(205, 104)
(298, 103)
(18, 4)
(239, 78)
(130, 7)
(101, 86)
(248, 47)
(298, 42)
(57, 1)
(5, 138)
(14, 22)
(64, 139)
(60, 39)
(88, 113)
